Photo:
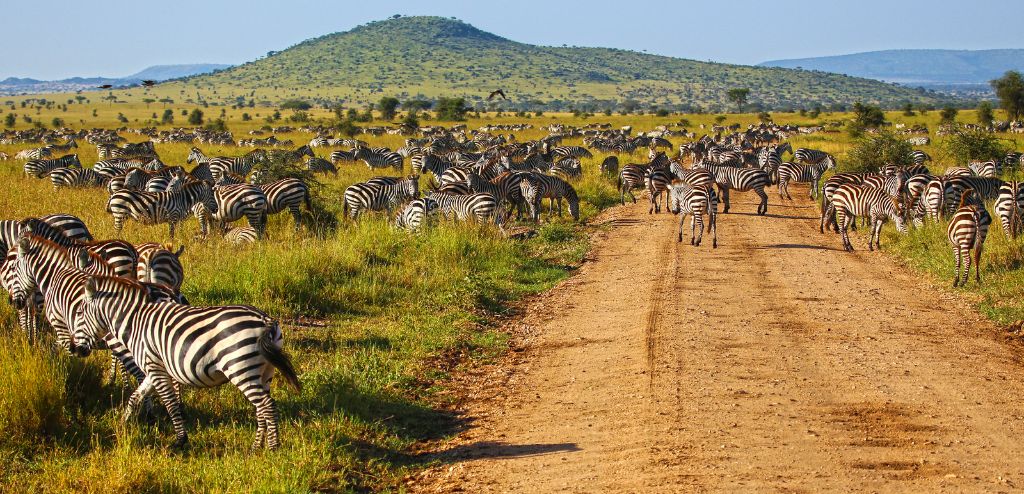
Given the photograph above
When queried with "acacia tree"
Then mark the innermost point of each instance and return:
(1010, 90)
(387, 107)
(738, 96)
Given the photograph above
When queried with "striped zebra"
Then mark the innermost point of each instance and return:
(115, 167)
(741, 179)
(535, 187)
(1010, 207)
(238, 165)
(505, 188)
(348, 156)
(810, 156)
(160, 265)
(793, 172)
(377, 197)
(416, 214)
(935, 199)
(657, 182)
(121, 256)
(67, 225)
(610, 166)
(631, 177)
(570, 152)
(234, 202)
(967, 231)
(38, 168)
(696, 201)
(239, 235)
(319, 165)
(769, 159)
(76, 177)
(63, 148)
(985, 188)
(919, 157)
(479, 207)
(34, 153)
(430, 163)
(910, 170)
(988, 169)
(172, 207)
(198, 346)
(290, 194)
(851, 201)
(828, 216)
(374, 159)
(11, 283)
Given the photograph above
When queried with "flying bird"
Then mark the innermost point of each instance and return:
(106, 86)
(497, 92)
(148, 83)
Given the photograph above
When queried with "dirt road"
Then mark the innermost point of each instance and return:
(774, 363)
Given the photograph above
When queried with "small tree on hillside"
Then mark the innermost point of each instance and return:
(296, 104)
(387, 106)
(1010, 90)
(908, 110)
(10, 120)
(738, 96)
(168, 117)
(985, 114)
(865, 117)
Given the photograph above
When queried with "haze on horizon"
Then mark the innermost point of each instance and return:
(119, 38)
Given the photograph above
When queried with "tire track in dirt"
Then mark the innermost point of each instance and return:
(775, 362)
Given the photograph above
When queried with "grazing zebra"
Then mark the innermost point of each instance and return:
(793, 172)
(851, 201)
(237, 201)
(1010, 207)
(118, 254)
(479, 207)
(696, 201)
(935, 199)
(917, 169)
(38, 168)
(535, 187)
(919, 157)
(631, 177)
(290, 194)
(958, 171)
(570, 152)
(114, 167)
(810, 156)
(238, 165)
(657, 181)
(379, 159)
(340, 155)
(198, 346)
(741, 179)
(320, 165)
(987, 169)
(610, 166)
(34, 154)
(151, 208)
(985, 189)
(76, 177)
(160, 265)
(416, 214)
(967, 230)
(241, 235)
(377, 197)
(11, 283)
(505, 187)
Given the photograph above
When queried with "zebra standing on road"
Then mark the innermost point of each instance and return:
(741, 179)
(696, 201)
(851, 201)
(38, 168)
(535, 187)
(377, 197)
(162, 207)
(657, 181)
(810, 156)
(198, 346)
(769, 159)
(793, 172)
(967, 231)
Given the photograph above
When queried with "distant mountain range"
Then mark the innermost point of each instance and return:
(945, 70)
(15, 85)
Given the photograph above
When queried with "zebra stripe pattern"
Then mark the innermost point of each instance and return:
(793, 172)
(967, 231)
(287, 194)
(1009, 207)
(377, 197)
(478, 207)
(76, 177)
(160, 265)
(38, 168)
(535, 187)
(696, 201)
(851, 201)
(162, 207)
(416, 214)
(741, 179)
(379, 159)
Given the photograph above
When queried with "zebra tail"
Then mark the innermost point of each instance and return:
(279, 360)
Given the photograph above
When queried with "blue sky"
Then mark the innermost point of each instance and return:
(56, 39)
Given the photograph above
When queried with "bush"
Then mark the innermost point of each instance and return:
(985, 114)
(451, 109)
(964, 145)
(387, 106)
(168, 117)
(10, 120)
(57, 122)
(865, 117)
(218, 125)
(195, 117)
(347, 127)
(299, 117)
(948, 115)
(872, 151)
(295, 104)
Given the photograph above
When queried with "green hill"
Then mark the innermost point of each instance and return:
(427, 57)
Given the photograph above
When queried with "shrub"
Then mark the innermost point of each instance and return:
(387, 106)
(299, 117)
(195, 117)
(872, 151)
(11, 119)
(168, 117)
(948, 115)
(295, 104)
(218, 125)
(451, 109)
(963, 145)
(985, 114)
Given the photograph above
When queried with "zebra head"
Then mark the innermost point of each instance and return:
(204, 194)
(411, 186)
(195, 155)
(898, 214)
(830, 162)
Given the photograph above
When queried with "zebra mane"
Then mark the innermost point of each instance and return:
(97, 284)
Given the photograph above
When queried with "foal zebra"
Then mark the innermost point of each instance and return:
(851, 201)
(198, 346)
(967, 230)
(377, 197)
(696, 201)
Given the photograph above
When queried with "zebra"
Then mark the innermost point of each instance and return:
(237, 201)
(63, 148)
(967, 230)
(851, 201)
(340, 155)
(9, 280)
(67, 225)
(610, 166)
(988, 169)
(803, 173)
(958, 171)
(769, 159)
(741, 179)
(919, 157)
(505, 188)
(1009, 207)
(631, 177)
(535, 187)
(198, 346)
(374, 197)
(290, 194)
(160, 265)
(76, 177)
(657, 181)
(935, 199)
(162, 207)
(378, 159)
(810, 156)
(239, 165)
(38, 168)
(416, 214)
(241, 235)
(117, 166)
(570, 152)
(696, 201)
(985, 188)
(121, 256)
(34, 153)
(473, 207)
(320, 165)
(915, 169)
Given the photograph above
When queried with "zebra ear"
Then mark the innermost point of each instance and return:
(83, 261)
(91, 287)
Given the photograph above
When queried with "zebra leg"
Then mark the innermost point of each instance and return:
(164, 385)
(297, 216)
(725, 198)
(682, 219)
(967, 266)
(956, 261)
(762, 208)
(844, 222)
(140, 393)
(713, 229)
(977, 262)
(697, 223)
(782, 188)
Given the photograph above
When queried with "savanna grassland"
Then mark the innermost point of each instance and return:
(375, 319)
